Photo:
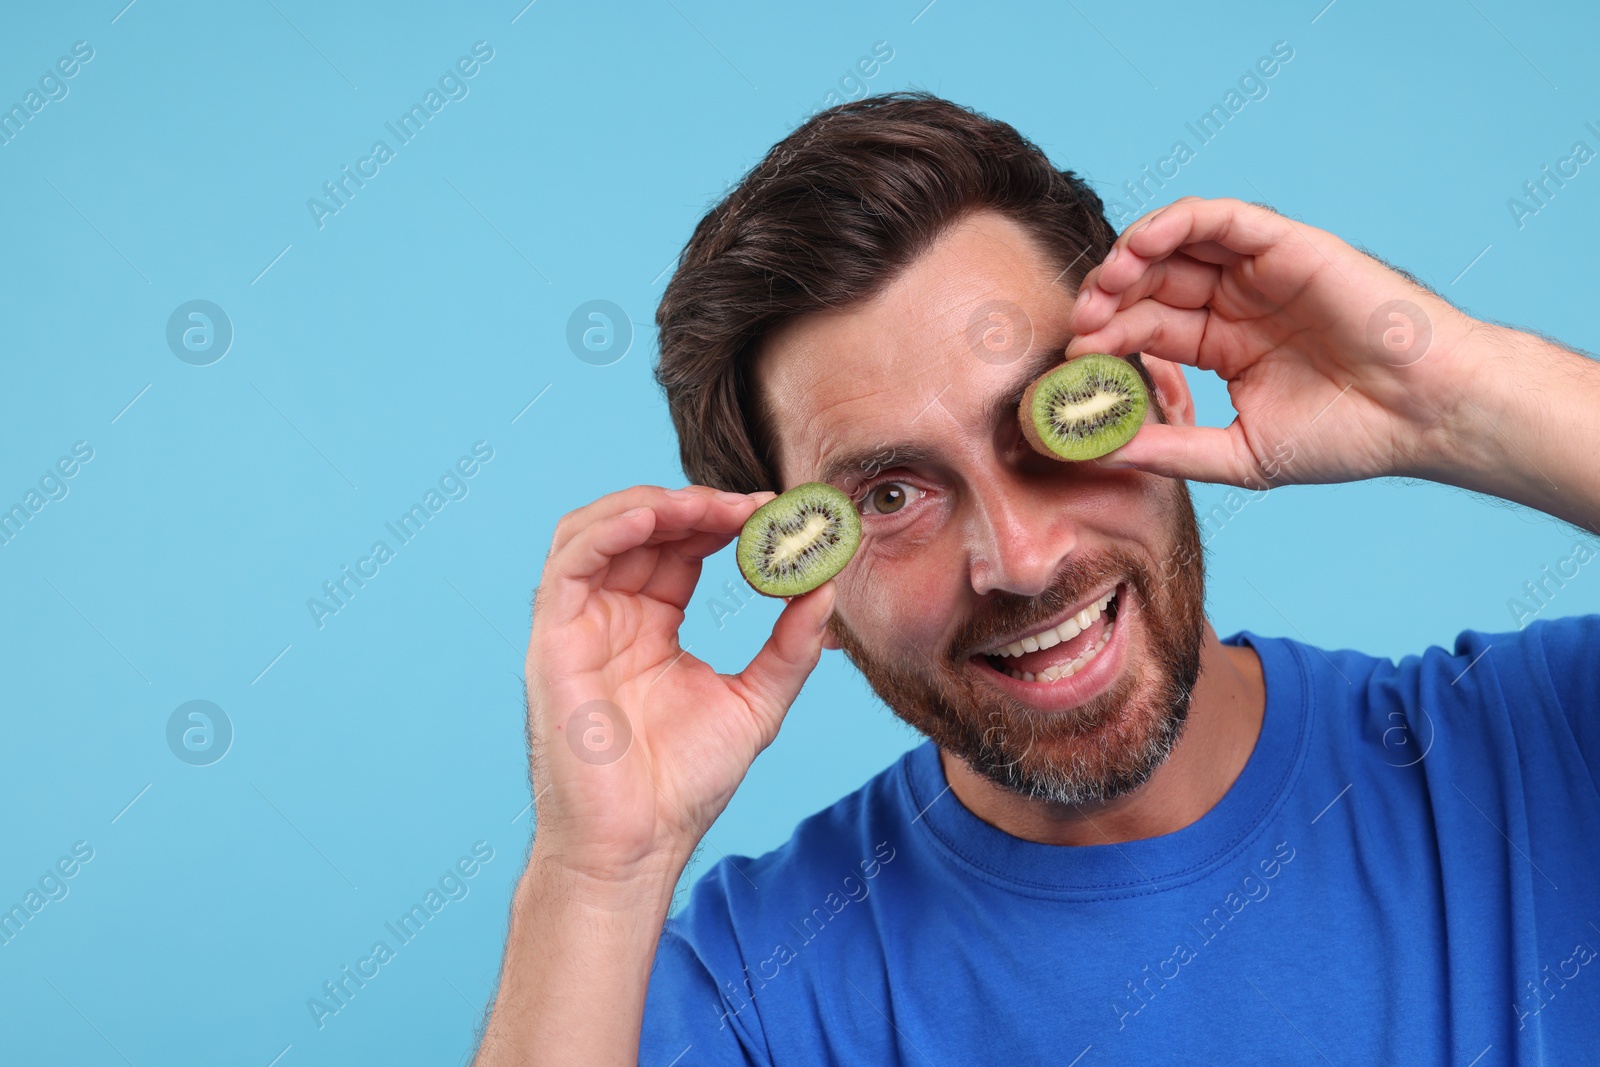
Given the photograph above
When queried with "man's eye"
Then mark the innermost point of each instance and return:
(886, 498)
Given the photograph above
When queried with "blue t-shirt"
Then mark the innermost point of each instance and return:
(1407, 870)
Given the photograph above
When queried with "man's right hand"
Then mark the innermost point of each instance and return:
(638, 744)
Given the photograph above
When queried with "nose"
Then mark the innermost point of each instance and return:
(1019, 535)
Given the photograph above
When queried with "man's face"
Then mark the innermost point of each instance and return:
(971, 541)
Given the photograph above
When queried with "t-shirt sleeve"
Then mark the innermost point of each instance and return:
(687, 1021)
(1570, 650)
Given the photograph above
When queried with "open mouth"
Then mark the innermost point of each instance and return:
(1058, 652)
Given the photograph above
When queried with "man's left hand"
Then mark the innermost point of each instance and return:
(1339, 367)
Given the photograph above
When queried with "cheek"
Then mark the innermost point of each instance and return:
(909, 543)
(897, 597)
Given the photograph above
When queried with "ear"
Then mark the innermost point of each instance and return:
(1172, 390)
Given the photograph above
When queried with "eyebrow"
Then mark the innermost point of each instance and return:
(872, 459)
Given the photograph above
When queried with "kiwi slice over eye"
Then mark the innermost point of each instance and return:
(794, 543)
(1084, 408)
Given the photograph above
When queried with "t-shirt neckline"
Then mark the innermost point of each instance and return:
(1131, 868)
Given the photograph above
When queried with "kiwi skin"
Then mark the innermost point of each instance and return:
(1105, 441)
(787, 510)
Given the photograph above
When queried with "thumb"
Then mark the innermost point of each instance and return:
(1198, 453)
(773, 679)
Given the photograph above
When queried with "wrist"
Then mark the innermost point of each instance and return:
(1467, 387)
(579, 954)
(556, 874)
(1520, 427)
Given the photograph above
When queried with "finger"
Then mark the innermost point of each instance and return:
(675, 570)
(631, 570)
(1199, 453)
(597, 556)
(569, 574)
(671, 574)
(773, 679)
(660, 560)
(1212, 252)
(699, 522)
(709, 515)
(1124, 268)
(1178, 282)
(677, 510)
(1244, 229)
(605, 507)
(1153, 212)
(1148, 326)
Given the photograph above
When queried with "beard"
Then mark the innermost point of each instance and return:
(1104, 748)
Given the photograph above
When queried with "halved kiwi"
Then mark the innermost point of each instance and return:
(1085, 408)
(794, 543)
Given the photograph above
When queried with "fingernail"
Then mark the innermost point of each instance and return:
(730, 498)
(631, 512)
(1116, 250)
(681, 494)
(1083, 297)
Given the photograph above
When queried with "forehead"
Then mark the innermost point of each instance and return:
(975, 315)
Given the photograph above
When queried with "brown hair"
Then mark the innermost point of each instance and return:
(827, 219)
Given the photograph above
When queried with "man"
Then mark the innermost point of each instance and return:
(1180, 848)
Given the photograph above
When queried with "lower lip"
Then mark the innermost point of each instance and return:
(1093, 678)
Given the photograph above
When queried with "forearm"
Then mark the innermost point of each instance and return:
(1524, 425)
(576, 969)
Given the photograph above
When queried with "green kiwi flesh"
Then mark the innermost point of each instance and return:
(1084, 408)
(797, 541)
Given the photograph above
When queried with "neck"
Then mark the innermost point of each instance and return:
(1225, 713)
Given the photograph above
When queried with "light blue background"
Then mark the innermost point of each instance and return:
(371, 753)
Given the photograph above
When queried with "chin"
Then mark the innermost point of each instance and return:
(1107, 749)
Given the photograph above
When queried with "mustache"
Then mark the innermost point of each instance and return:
(1008, 614)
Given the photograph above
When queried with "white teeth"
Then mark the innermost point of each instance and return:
(1066, 670)
(1065, 632)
